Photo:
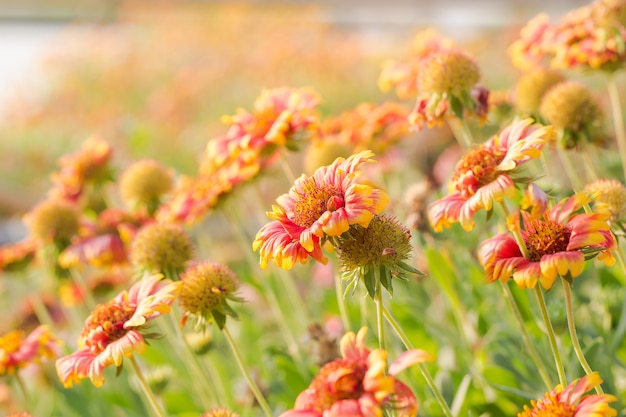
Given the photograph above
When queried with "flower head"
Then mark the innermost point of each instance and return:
(18, 351)
(570, 107)
(324, 204)
(572, 401)
(116, 329)
(377, 251)
(161, 248)
(17, 256)
(558, 243)
(358, 384)
(483, 175)
(531, 87)
(205, 290)
(608, 195)
(144, 182)
(53, 221)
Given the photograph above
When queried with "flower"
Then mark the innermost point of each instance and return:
(447, 80)
(375, 253)
(17, 351)
(116, 329)
(359, 383)
(557, 243)
(484, 174)
(18, 255)
(571, 108)
(531, 87)
(53, 221)
(161, 248)
(204, 291)
(324, 204)
(608, 195)
(569, 401)
(144, 182)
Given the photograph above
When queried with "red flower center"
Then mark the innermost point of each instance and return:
(106, 325)
(477, 168)
(314, 200)
(545, 238)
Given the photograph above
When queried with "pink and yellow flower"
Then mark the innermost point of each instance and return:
(17, 351)
(359, 384)
(324, 204)
(114, 330)
(558, 243)
(483, 175)
(571, 401)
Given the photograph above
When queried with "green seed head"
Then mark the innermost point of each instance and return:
(531, 87)
(163, 248)
(450, 72)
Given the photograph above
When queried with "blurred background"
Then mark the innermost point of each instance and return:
(154, 78)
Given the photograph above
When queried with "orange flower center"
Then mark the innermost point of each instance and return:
(549, 407)
(11, 342)
(545, 238)
(106, 325)
(477, 168)
(314, 200)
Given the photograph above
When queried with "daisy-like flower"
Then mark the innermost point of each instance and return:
(359, 384)
(557, 243)
(324, 204)
(484, 174)
(116, 330)
(572, 401)
(220, 412)
(18, 351)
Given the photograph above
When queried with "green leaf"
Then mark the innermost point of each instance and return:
(227, 310)
(385, 279)
(220, 319)
(370, 282)
(409, 268)
(456, 106)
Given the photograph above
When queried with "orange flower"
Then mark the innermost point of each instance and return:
(325, 204)
(18, 255)
(359, 383)
(558, 243)
(114, 330)
(17, 352)
(483, 175)
(569, 401)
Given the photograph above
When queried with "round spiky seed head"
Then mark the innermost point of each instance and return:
(161, 248)
(450, 71)
(531, 87)
(571, 106)
(144, 182)
(608, 195)
(384, 242)
(53, 220)
(205, 287)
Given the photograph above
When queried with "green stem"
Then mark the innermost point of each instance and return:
(543, 373)
(550, 330)
(461, 132)
(572, 331)
(253, 386)
(573, 176)
(378, 299)
(287, 168)
(422, 367)
(146, 389)
(80, 282)
(618, 121)
(343, 313)
(22, 385)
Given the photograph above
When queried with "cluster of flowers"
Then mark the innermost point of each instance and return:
(338, 210)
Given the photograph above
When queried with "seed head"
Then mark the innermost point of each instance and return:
(450, 71)
(531, 87)
(144, 182)
(608, 195)
(53, 220)
(161, 248)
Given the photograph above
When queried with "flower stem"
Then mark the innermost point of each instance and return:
(461, 132)
(146, 389)
(284, 163)
(572, 331)
(343, 313)
(573, 176)
(422, 367)
(378, 299)
(618, 122)
(543, 373)
(22, 385)
(550, 330)
(253, 386)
